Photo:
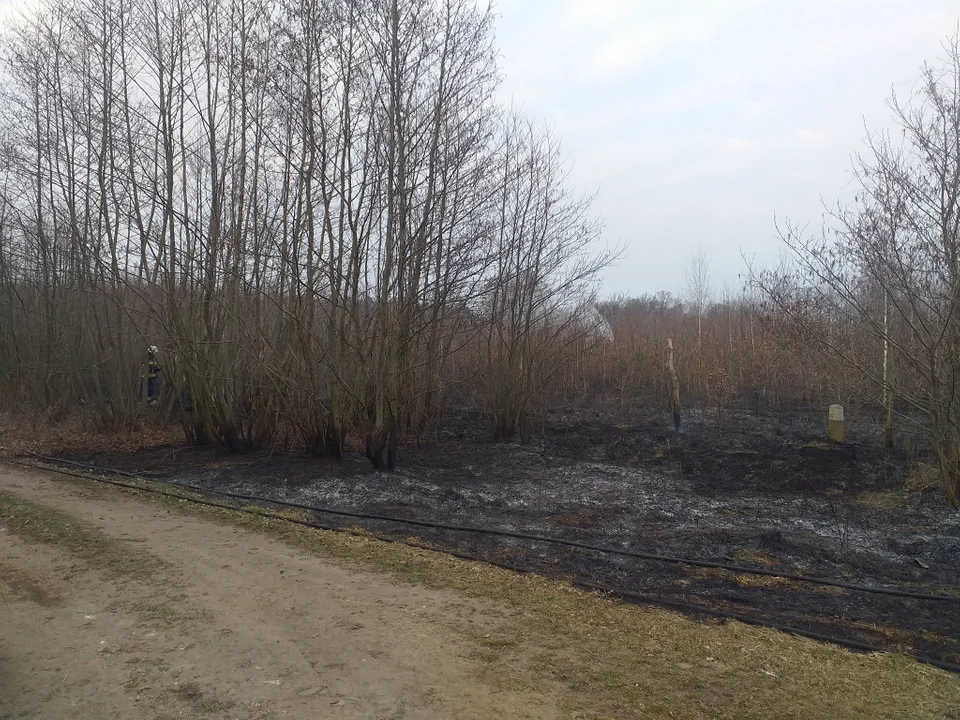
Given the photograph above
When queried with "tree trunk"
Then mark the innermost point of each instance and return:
(887, 387)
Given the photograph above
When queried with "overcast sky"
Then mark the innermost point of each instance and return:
(697, 121)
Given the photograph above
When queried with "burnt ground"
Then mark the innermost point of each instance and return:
(760, 491)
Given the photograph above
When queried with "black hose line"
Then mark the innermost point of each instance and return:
(624, 595)
(535, 538)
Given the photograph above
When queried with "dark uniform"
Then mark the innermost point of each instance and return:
(153, 379)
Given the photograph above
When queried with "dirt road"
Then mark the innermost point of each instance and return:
(114, 607)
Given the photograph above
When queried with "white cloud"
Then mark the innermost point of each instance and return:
(616, 56)
(585, 13)
(620, 36)
(811, 137)
(739, 145)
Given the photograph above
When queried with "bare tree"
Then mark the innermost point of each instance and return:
(545, 273)
(698, 294)
(890, 265)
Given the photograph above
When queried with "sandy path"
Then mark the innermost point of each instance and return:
(234, 625)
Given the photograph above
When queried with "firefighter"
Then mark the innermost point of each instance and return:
(153, 375)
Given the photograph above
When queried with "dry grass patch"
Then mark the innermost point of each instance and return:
(762, 581)
(754, 555)
(883, 499)
(22, 435)
(923, 477)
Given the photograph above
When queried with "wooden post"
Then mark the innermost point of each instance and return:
(675, 385)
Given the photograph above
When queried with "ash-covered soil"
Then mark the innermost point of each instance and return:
(755, 490)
